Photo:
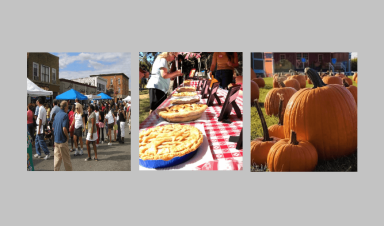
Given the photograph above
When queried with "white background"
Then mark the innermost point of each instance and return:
(191, 198)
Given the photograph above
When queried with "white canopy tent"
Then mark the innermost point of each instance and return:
(91, 97)
(34, 91)
(128, 98)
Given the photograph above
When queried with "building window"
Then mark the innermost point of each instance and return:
(298, 56)
(53, 75)
(111, 81)
(118, 81)
(305, 55)
(320, 57)
(44, 73)
(35, 71)
(119, 89)
(282, 57)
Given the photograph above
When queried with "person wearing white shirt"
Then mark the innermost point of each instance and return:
(41, 121)
(110, 120)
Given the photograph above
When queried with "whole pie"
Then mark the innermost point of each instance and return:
(169, 141)
(186, 89)
(187, 82)
(184, 94)
(185, 100)
(182, 112)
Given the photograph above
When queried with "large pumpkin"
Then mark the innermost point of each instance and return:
(352, 89)
(348, 80)
(292, 83)
(260, 82)
(260, 146)
(253, 74)
(325, 115)
(272, 99)
(300, 79)
(291, 155)
(329, 79)
(278, 130)
(254, 91)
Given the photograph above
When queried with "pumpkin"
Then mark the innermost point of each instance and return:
(356, 80)
(278, 130)
(260, 146)
(272, 99)
(292, 83)
(300, 79)
(352, 89)
(291, 155)
(254, 91)
(309, 81)
(354, 76)
(260, 82)
(325, 115)
(253, 74)
(340, 75)
(329, 79)
(348, 80)
(277, 78)
(239, 79)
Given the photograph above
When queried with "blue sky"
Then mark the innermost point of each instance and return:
(84, 64)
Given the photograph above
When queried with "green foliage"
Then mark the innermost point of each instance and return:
(354, 64)
(144, 106)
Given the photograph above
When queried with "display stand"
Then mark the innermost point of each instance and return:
(238, 140)
(198, 88)
(230, 102)
(205, 91)
(213, 95)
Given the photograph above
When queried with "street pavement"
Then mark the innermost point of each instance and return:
(111, 158)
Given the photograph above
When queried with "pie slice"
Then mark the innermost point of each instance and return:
(184, 94)
(169, 141)
(186, 89)
(182, 112)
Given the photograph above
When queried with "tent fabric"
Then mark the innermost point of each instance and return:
(92, 97)
(35, 91)
(103, 97)
(71, 95)
(128, 98)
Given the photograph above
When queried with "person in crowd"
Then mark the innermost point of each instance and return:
(41, 121)
(129, 119)
(97, 114)
(61, 137)
(55, 108)
(36, 111)
(101, 125)
(115, 127)
(71, 117)
(30, 124)
(122, 119)
(79, 125)
(109, 119)
(92, 134)
(48, 109)
(225, 62)
(158, 84)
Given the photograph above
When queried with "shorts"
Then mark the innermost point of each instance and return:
(89, 137)
(110, 126)
(156, 97)
(78, 132)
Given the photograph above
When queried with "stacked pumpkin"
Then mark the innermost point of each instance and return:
(314, 128)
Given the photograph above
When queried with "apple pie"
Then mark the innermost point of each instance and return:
(187, 82)
(185, 94)
(169, 141)
(185, 100)
(186, 89)
(182, 112)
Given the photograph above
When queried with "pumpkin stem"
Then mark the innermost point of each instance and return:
(263, 123)
(293, 139)
(281, 118)
(345, 83)
(281, 84)
(314, 77)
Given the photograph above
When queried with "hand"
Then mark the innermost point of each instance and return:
(91, 136)
(229, 63)
(179, 73)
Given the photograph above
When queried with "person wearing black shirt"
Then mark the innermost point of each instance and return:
(122, 119)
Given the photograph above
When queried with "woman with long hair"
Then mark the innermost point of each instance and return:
(97, 114)
(92, 134)
(226, 62)
(158, 84)
(79, 124)
(30, 124)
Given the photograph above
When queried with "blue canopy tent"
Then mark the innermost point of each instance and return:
(103, 97)
(71, 95)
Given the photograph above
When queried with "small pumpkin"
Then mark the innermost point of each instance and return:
(318, 116)
(352, 89)
(309, 81)
(348, 80)
(291, 155)
(260, 146)
(278, 130)
(340, 75)
(253, 74)
(292, 83)
(254, 91)
(354, 76)
(330, 79)
(277, 78)
(272, 99)
(300, 79)
(260, 82)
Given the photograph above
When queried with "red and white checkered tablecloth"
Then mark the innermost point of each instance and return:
(225, 154)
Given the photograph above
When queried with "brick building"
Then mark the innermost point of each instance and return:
(43, 70)
(117, 84)
(99, 82)
(82, 88)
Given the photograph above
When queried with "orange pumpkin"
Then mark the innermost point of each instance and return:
(277, 78)
(253, 74)
(348, 80)
(260, 82)
(260, 146)
(254, 91)
(278, 130)
(292, 83)
(352, 89)
(354, 76)
(318, 116)
(272, 99)
(309, 81)
(356, 80)
(332, 80)
(300, 79)
(291, 155)
(340, 75)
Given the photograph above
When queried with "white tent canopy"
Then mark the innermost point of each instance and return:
(91, 97)
(128, 98)
(35, 91)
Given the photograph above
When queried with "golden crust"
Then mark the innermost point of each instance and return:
(185, 94)
(187, 82)
(186, 89)
(182, 112)
(169, 141)
(187, 101)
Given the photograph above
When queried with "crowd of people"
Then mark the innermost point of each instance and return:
(66, 120)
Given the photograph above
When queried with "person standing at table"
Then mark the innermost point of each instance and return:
(61, 137)
(226, 63)
(158, 84)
